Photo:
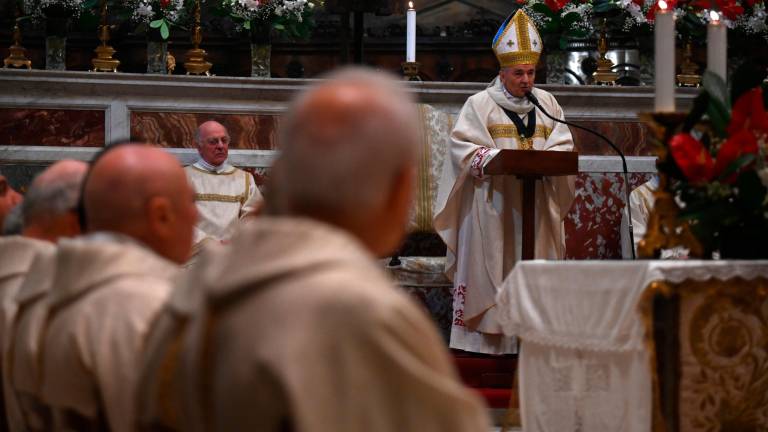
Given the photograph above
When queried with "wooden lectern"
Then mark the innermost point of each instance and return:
(532, 165)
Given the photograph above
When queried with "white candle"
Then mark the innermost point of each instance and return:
(717, 45)
(410, 51)
(664, 35)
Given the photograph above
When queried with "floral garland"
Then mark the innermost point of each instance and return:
(573, 18)
(291, 16)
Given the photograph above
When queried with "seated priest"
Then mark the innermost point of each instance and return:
(480, 217)
(640, 205)
(224, 194)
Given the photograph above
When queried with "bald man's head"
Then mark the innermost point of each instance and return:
(49, 211)
(142, 192)
(349, 147)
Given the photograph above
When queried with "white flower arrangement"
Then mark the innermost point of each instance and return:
(159, 14)
(283, 15)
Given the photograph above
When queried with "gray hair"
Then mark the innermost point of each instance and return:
(14, 222)
(350, 166)
(51, 198)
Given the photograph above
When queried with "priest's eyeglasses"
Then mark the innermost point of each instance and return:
(215, 140)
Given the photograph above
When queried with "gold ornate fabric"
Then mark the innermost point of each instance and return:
(722, 356)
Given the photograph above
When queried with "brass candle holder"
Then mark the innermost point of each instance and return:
(17, 57)
(104, 52)
(411, 71)
(604, 75)
(688, 76)
(664, 229)
(196, 64)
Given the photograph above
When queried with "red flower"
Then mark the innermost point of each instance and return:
(693, 159)
(165, 3)
(749, 113)
(738, 144)
(556, 5)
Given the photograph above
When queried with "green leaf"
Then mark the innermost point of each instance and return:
(247, 25)
(736, 165)
(751, 190)
(157, 23)
(544, 10)
(279, 26)
(716, 87)
(719, 117)
(570, 18)
(164, 31)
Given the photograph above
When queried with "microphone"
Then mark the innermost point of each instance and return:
(535, 101)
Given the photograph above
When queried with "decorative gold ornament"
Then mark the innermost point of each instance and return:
(688, 76)
(665, 230)
(17, 58)
(196, 64)
(411, 71)
(604, 75)
(170, 62)
(104, 61)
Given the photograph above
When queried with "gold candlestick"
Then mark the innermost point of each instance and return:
(17, 57)
(104, 52)
(665, 230)
(688, 76)
(411, 71)
(604, 74)
(196, 64)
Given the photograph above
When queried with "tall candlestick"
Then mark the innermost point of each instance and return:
(717, 45)
(410, 52)
(664, 34)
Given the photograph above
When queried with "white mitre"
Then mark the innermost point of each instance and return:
(517, 41)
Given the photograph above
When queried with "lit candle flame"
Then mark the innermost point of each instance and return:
(410, 5)
(663, 5)
(714, 16)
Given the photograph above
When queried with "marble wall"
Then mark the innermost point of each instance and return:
(173, 129)
(52, 127)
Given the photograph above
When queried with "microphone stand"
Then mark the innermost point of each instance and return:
(534, 100)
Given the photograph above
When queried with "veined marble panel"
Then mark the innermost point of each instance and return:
(52, 127)
(175, 129)
(632, 137)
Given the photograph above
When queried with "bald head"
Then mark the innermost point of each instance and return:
(212, 142)
(49, 211)
(348, 150)
(142, 192)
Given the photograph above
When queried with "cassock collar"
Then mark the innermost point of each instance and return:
(501, 96)
(203, 165)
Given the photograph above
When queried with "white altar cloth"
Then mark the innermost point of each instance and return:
(583, 364)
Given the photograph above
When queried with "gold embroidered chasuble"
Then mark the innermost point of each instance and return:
(480, 217)
(222, 198)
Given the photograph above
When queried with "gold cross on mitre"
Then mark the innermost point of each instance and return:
(517, 41)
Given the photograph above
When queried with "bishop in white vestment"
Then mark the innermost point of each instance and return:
(480, 217)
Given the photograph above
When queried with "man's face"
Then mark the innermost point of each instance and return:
(214, 143)
(518, 79)
(9, 199)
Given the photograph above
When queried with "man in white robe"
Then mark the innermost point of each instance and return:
(109, 285)
(48, 214)
(640, 205)
(295, 326)
(480, 217)
(224, 194)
